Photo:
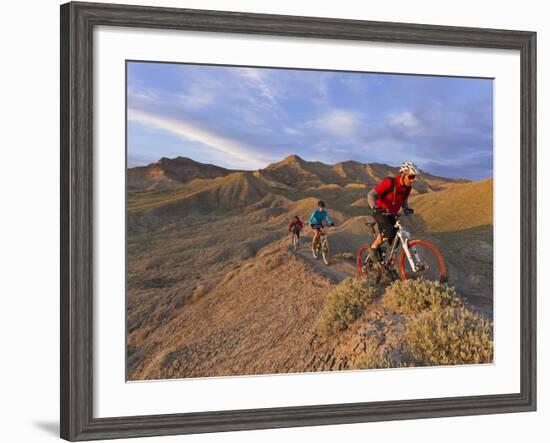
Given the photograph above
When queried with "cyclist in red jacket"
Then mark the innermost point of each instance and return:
(387, 199)
(296, 226)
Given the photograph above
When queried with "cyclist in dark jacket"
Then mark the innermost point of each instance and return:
(296, 226)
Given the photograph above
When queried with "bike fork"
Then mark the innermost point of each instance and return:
(412, 261)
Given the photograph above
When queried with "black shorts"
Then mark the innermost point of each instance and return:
(317, 227)
(386, 226)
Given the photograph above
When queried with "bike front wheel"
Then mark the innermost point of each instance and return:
(428, 260)
(315, 249)
(324, 250)
(295, 242)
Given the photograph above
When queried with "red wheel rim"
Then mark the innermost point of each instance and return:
(359, 255)
(440, 261)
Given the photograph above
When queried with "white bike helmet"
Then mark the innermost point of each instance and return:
(408, 168)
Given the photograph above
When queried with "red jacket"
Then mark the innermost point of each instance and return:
(295, 223)
(391, 194)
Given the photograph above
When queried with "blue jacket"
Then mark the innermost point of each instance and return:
(317, 217)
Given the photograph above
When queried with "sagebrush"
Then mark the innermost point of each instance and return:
(345, 304)
(436, 329)
(414, 296)
(450, 336)
(374, 359)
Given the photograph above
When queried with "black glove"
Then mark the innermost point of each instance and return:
(408, 211)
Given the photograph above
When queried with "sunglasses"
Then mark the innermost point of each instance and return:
(412, 176)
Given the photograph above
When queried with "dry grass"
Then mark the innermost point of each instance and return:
(344, 305)
(414, 296)
(451, 336)
(378, 360)
(437, 329)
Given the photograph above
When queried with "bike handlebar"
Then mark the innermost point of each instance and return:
(399, 214)
(324, 227)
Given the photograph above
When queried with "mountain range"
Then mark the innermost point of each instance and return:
(291, 171)
(199, 187)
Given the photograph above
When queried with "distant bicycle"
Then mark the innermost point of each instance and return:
(418, 258)
(295, 228)
(321, 245)
(295, 240)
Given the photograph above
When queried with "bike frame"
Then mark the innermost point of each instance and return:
(322, 237)
(402, 236)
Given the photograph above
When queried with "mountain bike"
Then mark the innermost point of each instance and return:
(321, 245)
(295, 240)
(418, 259)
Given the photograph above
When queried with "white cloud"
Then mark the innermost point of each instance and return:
(323, 88)
(142, 94)
(290, 131)
(248, 157)
(197, 98)
(405, 120)
(257, 80)
(338, 122)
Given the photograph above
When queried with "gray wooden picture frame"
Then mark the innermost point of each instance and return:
(77, 23)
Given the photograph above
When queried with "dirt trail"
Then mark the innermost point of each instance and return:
(338, 268)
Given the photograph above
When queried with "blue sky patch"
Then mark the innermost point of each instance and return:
(247, 118)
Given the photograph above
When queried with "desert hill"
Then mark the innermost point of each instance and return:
(171, 173)
(214, 289)
(459, 206)
(233, 191)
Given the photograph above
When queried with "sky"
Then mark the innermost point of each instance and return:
(247, 118)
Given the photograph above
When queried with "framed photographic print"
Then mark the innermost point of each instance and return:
(272, 221)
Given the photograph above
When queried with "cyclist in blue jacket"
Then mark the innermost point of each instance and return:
(316, 220)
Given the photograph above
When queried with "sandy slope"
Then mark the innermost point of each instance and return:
(259, 319)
